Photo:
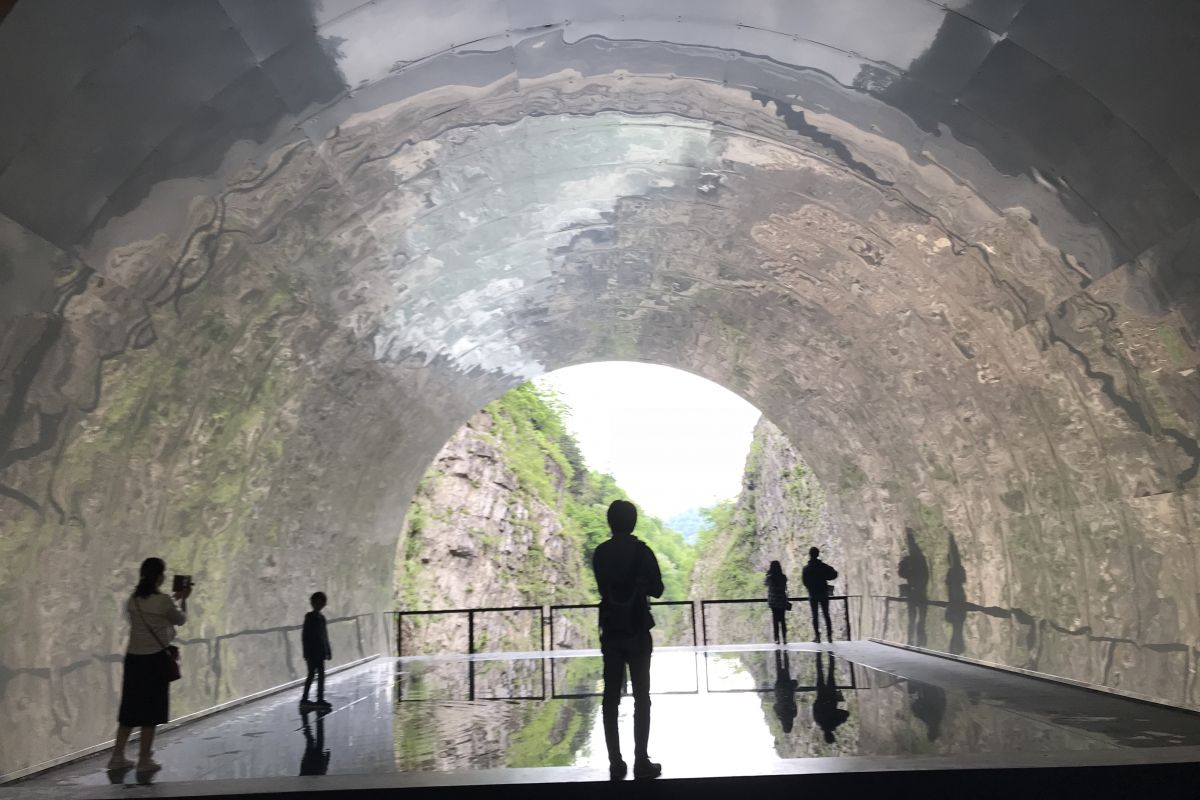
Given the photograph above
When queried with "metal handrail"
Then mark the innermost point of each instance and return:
(574, 606)
(845, 598)
(546, 616)
(470, 612)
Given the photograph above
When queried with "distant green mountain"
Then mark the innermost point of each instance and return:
(688, 524)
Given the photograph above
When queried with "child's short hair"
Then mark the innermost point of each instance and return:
(317, 597)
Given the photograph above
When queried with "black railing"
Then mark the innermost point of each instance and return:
(546, 617)
(653, 604)
(704, 604)
(470, 612)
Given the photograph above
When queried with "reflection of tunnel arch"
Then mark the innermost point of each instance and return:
(252, 282)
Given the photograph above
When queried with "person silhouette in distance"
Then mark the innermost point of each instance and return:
(816, 576)
(777, 600)
(626, 572)
(785, 691)
(316, 758)
(826, 712)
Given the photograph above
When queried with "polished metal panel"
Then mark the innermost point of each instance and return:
(259, 259)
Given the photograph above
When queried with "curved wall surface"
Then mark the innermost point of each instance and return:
(258, 260)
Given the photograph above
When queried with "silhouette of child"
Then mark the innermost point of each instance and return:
(315, 640)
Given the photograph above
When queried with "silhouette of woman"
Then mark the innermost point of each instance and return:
(777, 601)
(145, 695)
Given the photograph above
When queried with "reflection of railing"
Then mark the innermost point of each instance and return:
(473, 667)
(546, 617)
(704, 604)
(851, 669)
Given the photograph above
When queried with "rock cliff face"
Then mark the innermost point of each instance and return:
(780, 513)
(508, 515)
(476, 536)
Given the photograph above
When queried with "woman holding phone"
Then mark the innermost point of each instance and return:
(149, 663)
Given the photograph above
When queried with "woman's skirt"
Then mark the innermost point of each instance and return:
(145, 697)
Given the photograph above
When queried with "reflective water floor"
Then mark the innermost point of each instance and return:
(734, 709)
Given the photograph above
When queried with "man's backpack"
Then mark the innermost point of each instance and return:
(622, 612)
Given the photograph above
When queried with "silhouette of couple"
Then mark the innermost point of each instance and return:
(816, 577)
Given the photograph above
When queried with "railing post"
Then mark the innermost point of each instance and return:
(471, 640)
(552, 647)
(695, 638)
(399, 634)
(542, 633)
(846, 604)
(704, 622)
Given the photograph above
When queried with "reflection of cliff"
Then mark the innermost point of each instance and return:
(508, 515)
(811, 711)
(436, 730)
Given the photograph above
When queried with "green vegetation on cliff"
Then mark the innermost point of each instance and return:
(554, 490)
(537, 445)
(777, 516)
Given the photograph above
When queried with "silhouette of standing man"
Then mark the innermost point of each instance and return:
(626, 572)
(816, 577)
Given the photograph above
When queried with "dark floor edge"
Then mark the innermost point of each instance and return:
(70, 758)
(1041, 676)
(991, 774)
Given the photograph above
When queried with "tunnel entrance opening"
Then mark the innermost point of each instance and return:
(510, 510)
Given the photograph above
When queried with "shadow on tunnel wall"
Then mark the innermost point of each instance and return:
(1013, 636)
(175, 466)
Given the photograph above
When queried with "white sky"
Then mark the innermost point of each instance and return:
(672, 440)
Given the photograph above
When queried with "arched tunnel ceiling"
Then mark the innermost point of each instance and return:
(947, 247)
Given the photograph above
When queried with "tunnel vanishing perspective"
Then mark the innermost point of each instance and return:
(258, 261)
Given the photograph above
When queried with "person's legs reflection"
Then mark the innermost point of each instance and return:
(316, 758)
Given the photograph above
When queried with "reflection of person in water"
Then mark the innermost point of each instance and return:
(928, 705)
(785, 691)
(914, 570)
(826, 713)
(956, 599)
(316, 757)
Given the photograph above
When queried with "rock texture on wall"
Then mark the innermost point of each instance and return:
(259, 262)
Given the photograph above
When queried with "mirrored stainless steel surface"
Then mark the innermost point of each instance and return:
(259, 260)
